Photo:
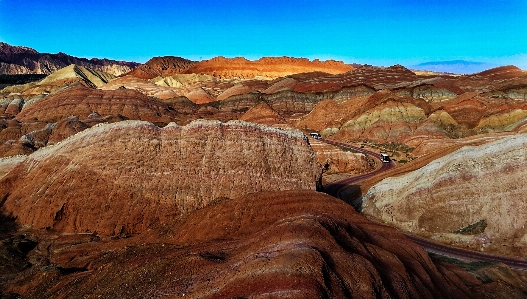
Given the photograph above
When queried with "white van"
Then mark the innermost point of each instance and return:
(385, 158)
(315, 135)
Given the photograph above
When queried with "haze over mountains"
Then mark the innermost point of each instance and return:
(197, 178)
(453, 66)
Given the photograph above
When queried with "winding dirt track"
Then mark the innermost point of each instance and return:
(338, 188)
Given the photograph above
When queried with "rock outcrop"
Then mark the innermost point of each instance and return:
(82, 101)
(293, 244)
(130, 176)
(24, 60)
(90, 77)
(267, 67)
(162, 66)
(336, 160)
(445, 199)
(263, 114)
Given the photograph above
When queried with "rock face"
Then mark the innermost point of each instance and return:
(268, 67)
(263, 114)
(162, 66)
(82, 101)
(474, 197)
(130, 176)
(382, 116)
(23, 60)
(292, 244)
(92, 78)
(339, 161)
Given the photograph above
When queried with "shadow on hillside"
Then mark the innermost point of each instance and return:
(8, 224)
(352, 195)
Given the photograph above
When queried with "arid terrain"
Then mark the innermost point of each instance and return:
(198, 179)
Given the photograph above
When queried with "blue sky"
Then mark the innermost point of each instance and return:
(380, 32)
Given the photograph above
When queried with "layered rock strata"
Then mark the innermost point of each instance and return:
(24, 60)
(82, 101)
(130, 176)
(293, 244)
(444, 199)
(266, 67)
(162, 66)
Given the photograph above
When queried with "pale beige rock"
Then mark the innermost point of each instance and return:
(502, 122)
(73, 71)
(7, 164)
(472, 184)
(389, 113)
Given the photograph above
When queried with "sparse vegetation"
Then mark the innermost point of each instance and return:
(393, 149)
(345, 149)
(465, 265)
(7, 79)
(473, 229)
(396, 147)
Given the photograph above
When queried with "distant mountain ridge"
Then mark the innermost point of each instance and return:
(453, 66)
(16, 60)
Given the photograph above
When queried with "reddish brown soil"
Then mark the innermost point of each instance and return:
(132, 176)
(82, 101)
(162, 66)
(295, 244)
(263, 114)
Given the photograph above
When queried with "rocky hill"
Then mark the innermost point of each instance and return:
(162, 66)
(263, 114)
(150, 175)
(24, 60)
(411, 109)
(58, 80)
(267, 67)
(26, 125)
(83, 101)
(473, 197)
(91, 77)
(296, 244)
(194, 209)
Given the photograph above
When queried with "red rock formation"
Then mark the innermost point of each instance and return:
(502, 72)
(199, 96)
(294, 244)
(18, 138)
(339, 161)
(130, 176)
(162, 66)
(270, 67)
(379, 78)
(82, 101)
(263, 114)
(382, 116)
(11, 107)
(66, 128)
(235, 90)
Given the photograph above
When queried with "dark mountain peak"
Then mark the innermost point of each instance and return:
(16, 60)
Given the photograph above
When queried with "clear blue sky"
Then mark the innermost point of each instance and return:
(381, 32)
